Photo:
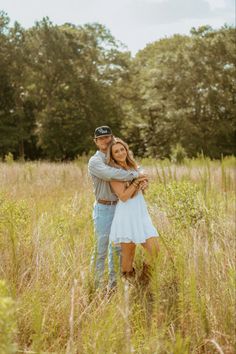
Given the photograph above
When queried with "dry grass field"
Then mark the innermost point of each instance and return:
(47, 300)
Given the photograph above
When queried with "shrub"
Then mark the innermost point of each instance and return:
(180, 200)
(7, 321)
(178, 154)
(8, 158)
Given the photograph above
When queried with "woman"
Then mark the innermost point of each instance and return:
(131, 224)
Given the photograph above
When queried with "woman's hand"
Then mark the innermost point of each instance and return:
(143, 185)
(141, 179)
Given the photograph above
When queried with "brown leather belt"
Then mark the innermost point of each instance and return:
(107, 202)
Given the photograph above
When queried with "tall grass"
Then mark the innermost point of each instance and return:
(47, 300)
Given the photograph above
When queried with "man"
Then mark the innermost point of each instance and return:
(104, 207)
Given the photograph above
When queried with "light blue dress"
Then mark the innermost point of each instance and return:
(132, 222)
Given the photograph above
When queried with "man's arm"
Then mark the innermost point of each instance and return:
(99, 169)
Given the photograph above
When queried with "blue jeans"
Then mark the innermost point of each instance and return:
(102, 217)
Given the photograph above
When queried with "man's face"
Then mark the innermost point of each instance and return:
(103, 142)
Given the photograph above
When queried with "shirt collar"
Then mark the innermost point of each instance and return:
(102, 154)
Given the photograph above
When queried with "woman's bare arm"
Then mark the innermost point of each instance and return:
(122, 192)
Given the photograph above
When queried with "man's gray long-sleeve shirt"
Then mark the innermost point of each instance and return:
(101, 175)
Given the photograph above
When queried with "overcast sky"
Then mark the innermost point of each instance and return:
(134, 22)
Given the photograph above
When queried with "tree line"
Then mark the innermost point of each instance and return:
(57, 83)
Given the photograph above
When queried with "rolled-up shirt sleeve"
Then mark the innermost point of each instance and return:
(98, 168)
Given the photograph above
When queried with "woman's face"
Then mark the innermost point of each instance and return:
(119, 153)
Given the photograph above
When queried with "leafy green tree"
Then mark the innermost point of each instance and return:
(57, 83)
(154, 109)
(185, 91)
(6, 89)
(17, 121)
(74, 68)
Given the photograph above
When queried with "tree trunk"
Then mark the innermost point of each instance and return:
(21, 150)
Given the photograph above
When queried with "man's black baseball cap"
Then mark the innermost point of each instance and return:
(104, 130)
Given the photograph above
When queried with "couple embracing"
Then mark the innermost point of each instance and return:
(121, 218)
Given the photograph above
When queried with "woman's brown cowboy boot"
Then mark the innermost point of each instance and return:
(145, 274)
(129, 276)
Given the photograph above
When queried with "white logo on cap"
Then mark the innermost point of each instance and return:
(101, 130)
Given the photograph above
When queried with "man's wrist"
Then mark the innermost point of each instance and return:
(142, 174)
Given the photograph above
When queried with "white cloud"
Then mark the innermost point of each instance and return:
(151, 1)
(216, 4)
(172, 11)
(134, 22)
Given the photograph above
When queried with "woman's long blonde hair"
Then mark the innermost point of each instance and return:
(129, 159)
